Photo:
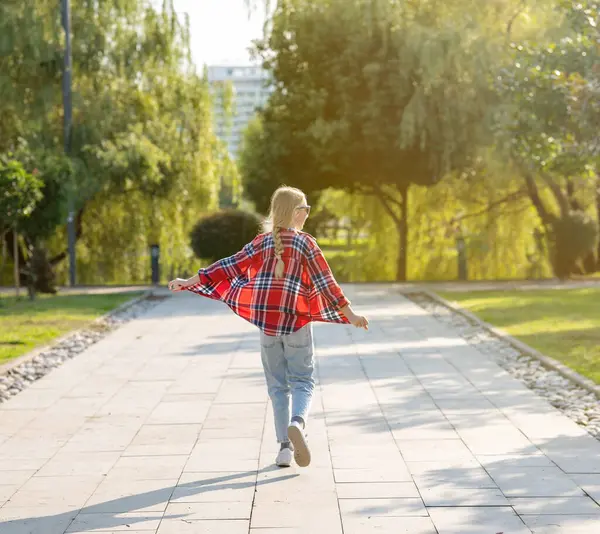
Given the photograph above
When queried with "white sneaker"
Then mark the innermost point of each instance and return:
(298, 439)
(284, 458)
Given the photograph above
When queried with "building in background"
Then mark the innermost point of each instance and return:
(251, 90)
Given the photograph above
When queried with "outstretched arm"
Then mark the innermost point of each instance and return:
(360, 321)
(323, 279)
(224, 269)
(326, 284)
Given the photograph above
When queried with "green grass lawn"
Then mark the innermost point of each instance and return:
(562, 323)
(25, 325)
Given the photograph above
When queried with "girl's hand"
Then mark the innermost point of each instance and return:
(179, 284)
(359, 321)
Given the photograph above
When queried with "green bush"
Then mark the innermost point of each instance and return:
(574, 237)
(224, 233)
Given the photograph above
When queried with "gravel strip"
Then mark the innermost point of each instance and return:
(21, 376)
(578, 403)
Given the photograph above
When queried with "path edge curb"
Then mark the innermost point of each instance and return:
(546, 361)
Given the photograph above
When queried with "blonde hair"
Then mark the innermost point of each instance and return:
(284, 202)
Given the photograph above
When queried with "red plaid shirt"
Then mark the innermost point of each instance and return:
(278, 306)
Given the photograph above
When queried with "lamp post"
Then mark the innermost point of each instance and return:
(68, 109)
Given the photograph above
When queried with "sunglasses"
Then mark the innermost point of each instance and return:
(307, 208)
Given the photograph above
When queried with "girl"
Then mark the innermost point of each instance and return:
(281, 282)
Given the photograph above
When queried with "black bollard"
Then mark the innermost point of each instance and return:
(154, 259)
(462, 259)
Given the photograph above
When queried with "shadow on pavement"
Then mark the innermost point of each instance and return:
(107, 512)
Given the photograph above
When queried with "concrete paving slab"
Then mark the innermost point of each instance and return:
(27, 520)
(147, 521)
(184, 526)
(405, 507)
(534, 482)
(555, 506)
(388, 525)
(562, 524)
(477, 520)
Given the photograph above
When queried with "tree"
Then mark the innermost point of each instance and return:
(20, 193)
(550, 127)
(370, 97)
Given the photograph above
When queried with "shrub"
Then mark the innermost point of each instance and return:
(574, 237)
(224, 233)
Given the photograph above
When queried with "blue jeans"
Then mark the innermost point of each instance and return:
(289, 367)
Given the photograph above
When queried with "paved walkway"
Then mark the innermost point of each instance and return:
(164, 426)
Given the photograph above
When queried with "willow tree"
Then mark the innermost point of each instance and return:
(142, 143)
(373, 97)
(551, 88)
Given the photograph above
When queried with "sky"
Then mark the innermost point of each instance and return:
(221, 30)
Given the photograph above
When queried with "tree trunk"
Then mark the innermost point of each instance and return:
(573, 202)
(534, 195)
(16, 261)
(591, 264)
(44, 271)
(78, 231)
(402, 227)
(9, 238)
(4, 253)
(392, 205)
(598, 219)
(559, 195)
